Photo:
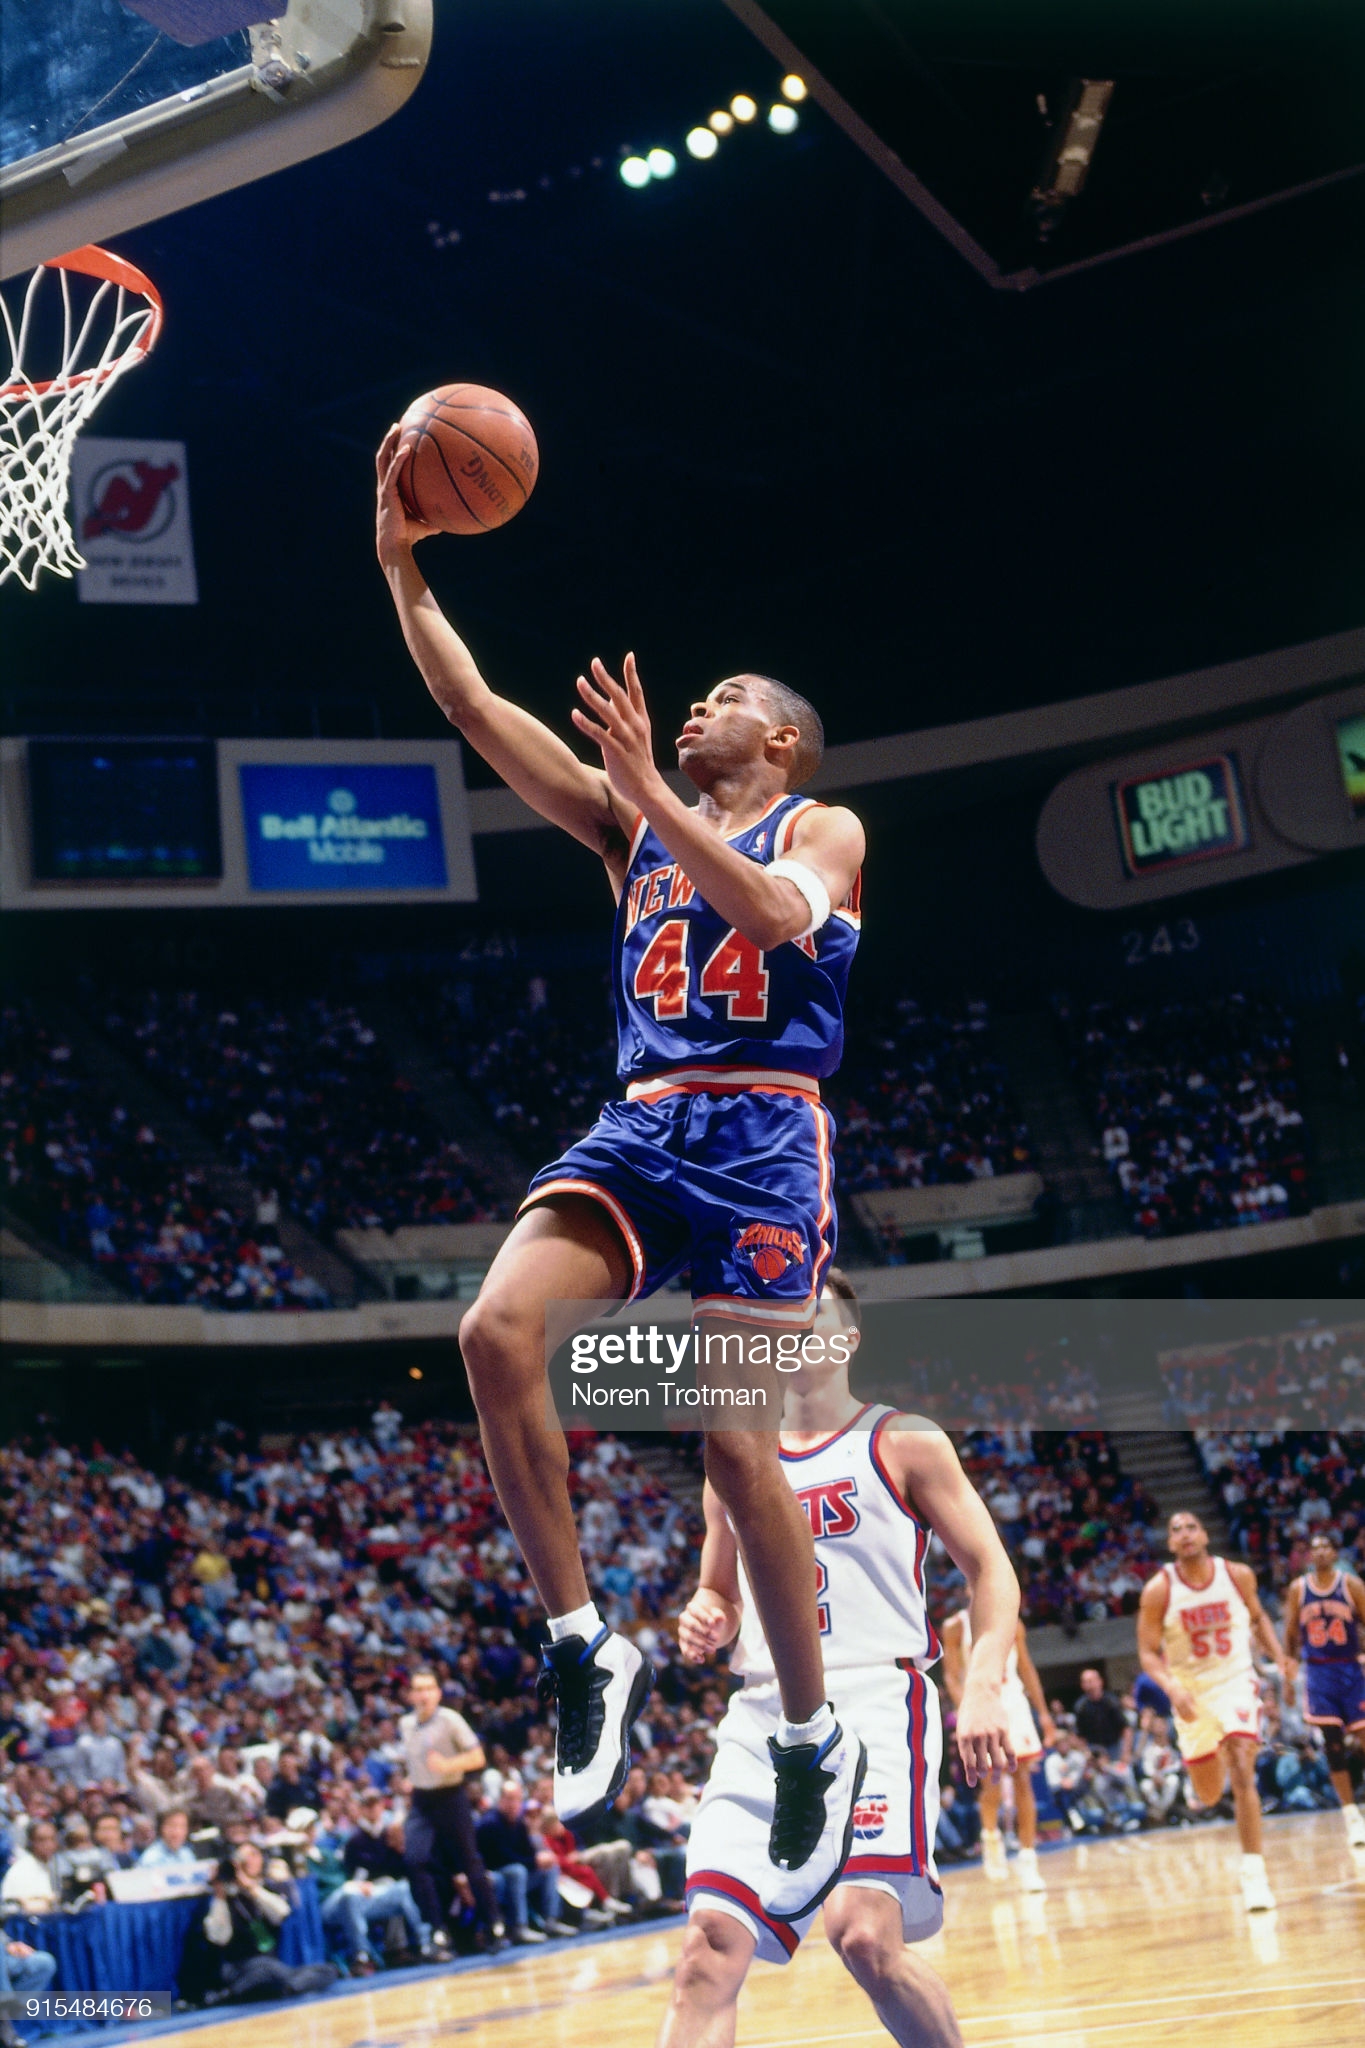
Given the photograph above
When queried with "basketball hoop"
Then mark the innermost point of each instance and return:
(101, 336)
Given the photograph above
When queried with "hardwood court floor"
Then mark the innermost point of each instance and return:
(1138, 1943)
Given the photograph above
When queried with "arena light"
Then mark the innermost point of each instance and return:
(662, 163)
(635, 172)
(794, 86)
(701, 142)
(782, 118)
(742, 107)
(721, 121)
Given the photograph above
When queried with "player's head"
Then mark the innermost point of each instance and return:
(1186, 1536)
(1323, 1551)
(747, 719)
(838, 1323)
(839, 1309)
(424, 1690)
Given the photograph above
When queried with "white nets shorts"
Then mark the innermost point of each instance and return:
(894, 1708)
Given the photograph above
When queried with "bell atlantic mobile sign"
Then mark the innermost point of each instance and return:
(351, 826)
(141, 824)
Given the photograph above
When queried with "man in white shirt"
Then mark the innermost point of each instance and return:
(28, 1885)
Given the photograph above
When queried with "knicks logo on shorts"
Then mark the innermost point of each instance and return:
(770, 1249)
(869, 1817)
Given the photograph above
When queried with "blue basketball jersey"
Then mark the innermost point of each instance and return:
(691, 989)
(1327, 1623)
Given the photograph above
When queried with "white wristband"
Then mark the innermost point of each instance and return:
(811, 887)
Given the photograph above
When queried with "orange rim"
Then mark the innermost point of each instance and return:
(92, 261)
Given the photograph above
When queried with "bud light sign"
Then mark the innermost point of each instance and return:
(377, 827)
(1181, 815)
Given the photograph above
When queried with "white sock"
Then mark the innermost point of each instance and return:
(1253, 1865)
(990, 1834)
(818, 1729)
(1350, 1810)
(584, 1621)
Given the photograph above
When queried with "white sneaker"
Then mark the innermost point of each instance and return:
(1257, 1896)
(993, 1866)
(1026, 1870)
(599, 1690)
(1355, 1827)
(812, 1830)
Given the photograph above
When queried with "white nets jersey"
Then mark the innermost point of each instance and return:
(869, 1557)
(1207, 1631)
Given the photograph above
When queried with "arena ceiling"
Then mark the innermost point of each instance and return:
(783, 424)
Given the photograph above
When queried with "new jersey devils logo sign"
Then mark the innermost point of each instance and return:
(133, 499)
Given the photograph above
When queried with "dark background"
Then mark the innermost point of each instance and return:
(782, 424)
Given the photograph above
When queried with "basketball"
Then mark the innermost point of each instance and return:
(470, 459)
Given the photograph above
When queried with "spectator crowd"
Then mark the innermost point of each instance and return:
(922, 1097)
(220, 1670)
(104, 1185)
(302, 1097)
(537, 1050)
(221, 1656)
(1196, 1105)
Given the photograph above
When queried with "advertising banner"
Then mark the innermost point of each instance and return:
(342, 827)
(130, 510)
(1184, 814)
(1351, 749)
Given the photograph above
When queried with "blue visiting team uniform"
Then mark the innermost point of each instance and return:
(1334, 1684)
(720, 1157)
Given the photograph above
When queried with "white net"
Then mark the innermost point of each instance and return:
(94, 316)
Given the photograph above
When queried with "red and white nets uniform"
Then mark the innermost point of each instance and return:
(1207, 1641)
(877, 1643)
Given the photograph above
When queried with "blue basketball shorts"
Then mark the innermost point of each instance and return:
(1334, 1694)
(727, 1171)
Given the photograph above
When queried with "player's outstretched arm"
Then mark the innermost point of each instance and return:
(1151, 1628)
(531, 759)
(711, 1617)
(921, 1461)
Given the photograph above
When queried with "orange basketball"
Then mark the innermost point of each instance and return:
(471, 459)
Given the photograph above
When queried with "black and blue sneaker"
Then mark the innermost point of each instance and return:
(599, 1690)
(812, 1830)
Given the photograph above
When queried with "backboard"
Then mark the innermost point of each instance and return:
(112, 117)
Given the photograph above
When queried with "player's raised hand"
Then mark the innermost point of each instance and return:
(395, 532)
(983, 1741)
(620, 726)
(705, 1625)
